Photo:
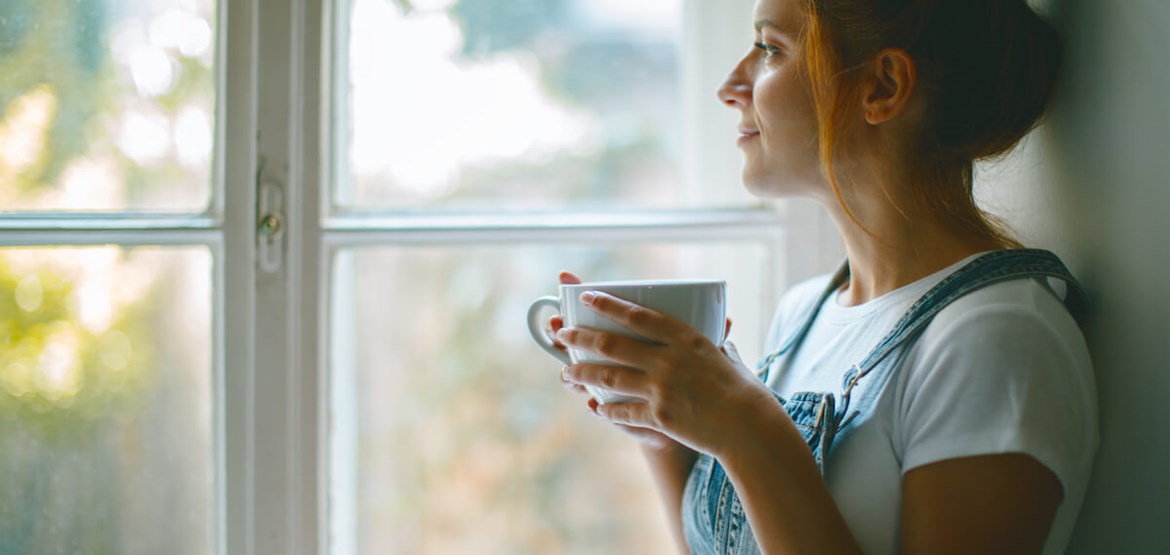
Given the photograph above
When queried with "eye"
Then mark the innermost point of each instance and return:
(767, 48)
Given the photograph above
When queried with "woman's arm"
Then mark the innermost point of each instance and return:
(671, 465)
(780, 486)
(985, 504)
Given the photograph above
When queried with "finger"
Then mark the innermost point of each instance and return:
(608, 345)
(569, 384)
(554, 325)
(568, 278)
(649, 323)
(593, 404)
(649, 436)
(629, 414)
(727, 329)
(617, 379)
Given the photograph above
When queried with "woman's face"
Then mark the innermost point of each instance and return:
(770, 88)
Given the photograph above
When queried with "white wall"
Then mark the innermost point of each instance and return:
(1094, 185)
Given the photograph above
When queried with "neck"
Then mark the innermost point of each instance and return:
(898, 245)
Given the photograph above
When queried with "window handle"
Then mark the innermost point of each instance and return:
(270, 223)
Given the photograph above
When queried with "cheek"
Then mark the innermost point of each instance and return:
(785, 108)
(790, 149)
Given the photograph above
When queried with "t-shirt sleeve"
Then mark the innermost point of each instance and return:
(997, 379)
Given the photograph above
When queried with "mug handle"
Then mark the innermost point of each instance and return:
(536, 328)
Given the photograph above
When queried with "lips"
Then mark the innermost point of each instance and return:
(747, 134)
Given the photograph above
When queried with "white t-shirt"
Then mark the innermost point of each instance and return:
(1003, 369)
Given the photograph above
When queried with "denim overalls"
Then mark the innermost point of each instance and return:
(713, 518)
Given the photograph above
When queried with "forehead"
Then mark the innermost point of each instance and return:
(784, 16)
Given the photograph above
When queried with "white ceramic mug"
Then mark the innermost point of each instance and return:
(700, 304)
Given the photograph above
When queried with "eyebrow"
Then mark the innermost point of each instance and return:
(760, 24)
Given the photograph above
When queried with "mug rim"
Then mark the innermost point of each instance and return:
(645, 283)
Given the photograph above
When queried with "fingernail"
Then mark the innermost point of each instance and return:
(565, 373)
(587, 297)
(562, 335)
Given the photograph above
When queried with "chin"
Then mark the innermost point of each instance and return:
(775, 186)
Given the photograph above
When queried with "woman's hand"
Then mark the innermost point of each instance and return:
(694, 392)
(650, 437)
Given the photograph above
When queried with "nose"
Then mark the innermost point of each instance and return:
(736, 90)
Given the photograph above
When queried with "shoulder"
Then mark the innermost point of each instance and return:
(1002, 369)
(991, 322)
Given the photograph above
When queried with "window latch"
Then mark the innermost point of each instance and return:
(270, 222)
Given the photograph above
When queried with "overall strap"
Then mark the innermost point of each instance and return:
(994, 267)
(797, 337)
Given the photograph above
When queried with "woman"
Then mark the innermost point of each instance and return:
(968, 429)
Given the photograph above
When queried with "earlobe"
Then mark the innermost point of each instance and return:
(892, 81)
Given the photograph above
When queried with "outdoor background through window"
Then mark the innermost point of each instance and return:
(515, 105)
(106, 105)
(106, 424)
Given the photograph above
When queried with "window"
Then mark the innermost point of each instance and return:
(264, 265)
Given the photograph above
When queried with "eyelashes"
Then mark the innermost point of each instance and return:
(767, 48)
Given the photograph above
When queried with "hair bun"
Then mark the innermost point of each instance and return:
(995, 65)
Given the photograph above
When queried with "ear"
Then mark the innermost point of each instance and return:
(892, 78)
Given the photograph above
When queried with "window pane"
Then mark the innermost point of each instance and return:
(451, 432)
(106, 105)
(516, 104)
(106, 400)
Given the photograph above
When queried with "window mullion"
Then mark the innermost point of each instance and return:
(311, 266)
(287, 508)
(278, 482)
(236, 304)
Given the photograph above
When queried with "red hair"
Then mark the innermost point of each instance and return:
(987, 70)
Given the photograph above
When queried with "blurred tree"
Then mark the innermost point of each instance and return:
(491, 26)
(579, 62)
(64, 390)
(58, 44)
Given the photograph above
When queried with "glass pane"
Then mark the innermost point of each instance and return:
(516, 104)
(451, 432)
(106, 400)
(106, 105)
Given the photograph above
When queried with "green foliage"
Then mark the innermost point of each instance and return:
(57, 378)
(15, 22)
(71, 405)
(59, 44)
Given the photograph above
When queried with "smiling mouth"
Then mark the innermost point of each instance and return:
(746, 135)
